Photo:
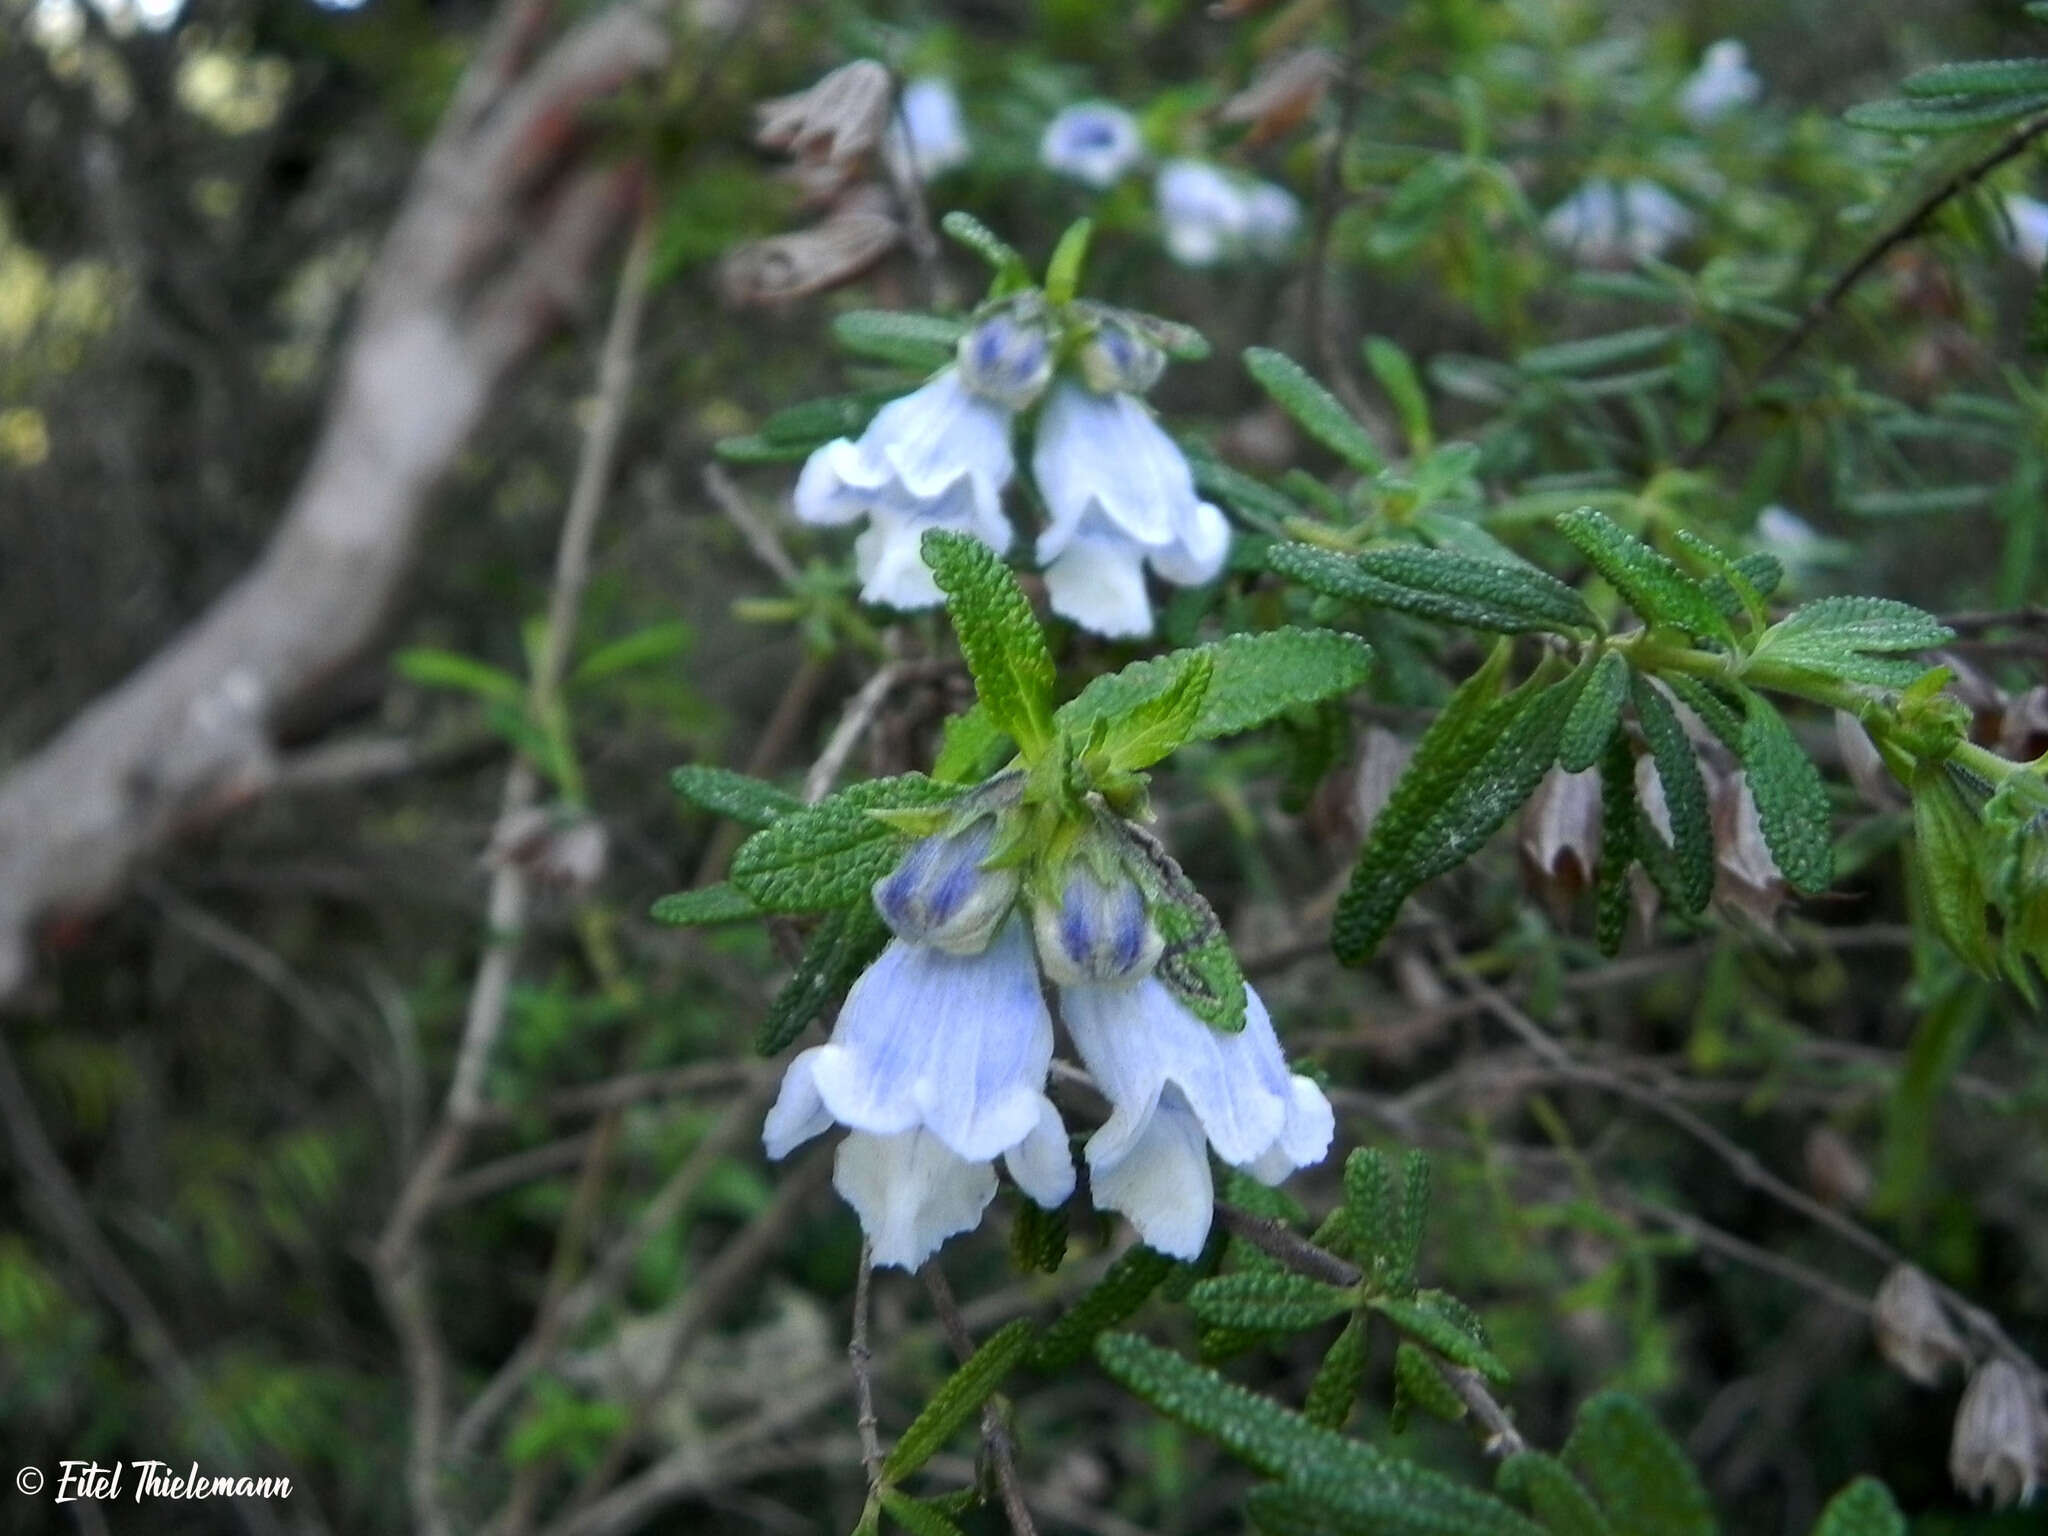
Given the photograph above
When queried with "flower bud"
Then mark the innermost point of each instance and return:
(2000, 1438)
(1913, 1332)
(1560, 834)
(941, 896)
(1098, 932)
(1118, 361)
(1008, 359)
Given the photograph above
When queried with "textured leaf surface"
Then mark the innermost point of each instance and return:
(1685, 792)
(1156, 726)
(1864, 1508)
(1979, 77)
(1791, 801)
(1422, 1320)
(1620, 822)
(845, 944)
(1956, 113)
(1118, 1294)
(922, 342)
(1372, 1213)
(916, 1516)
(1270, 1300)
(1438, 584)
(1647, 581)
(1591, 724)
(751, 802)
(1339, 1378)
(1555, 1497)
(1321, 416)
(1354, 1485)
(964, 1392)
(1835, 634)
(721, 903)
(828, 854)
(1640, 1475)
(999, 635)
(1596, 352)
(1419, 1383)
(1711, 704)
(1252, 679)
(971, 747)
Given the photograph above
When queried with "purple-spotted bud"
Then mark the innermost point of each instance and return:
(1116, 360)
(1096, 933)
(1008, 359)
(941, 896)
(2001, 1437)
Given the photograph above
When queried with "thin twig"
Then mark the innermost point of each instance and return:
(995, 1430)
(760, 536)
(862, 1361)
(854, 724)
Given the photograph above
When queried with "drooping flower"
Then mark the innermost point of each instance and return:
(938, 1065)
(1098, 930)
(1177, 1088)
(1121, 497)
(936, 458)
(1272, 219)
(1722, 84)
(2027, 233)
(929, 136)
(1999, 1448)
(940, 895)
(1092, 141)
(1201, 211)
(1612, 224)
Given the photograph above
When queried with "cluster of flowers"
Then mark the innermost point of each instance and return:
(1119, 492)
(937, 1066)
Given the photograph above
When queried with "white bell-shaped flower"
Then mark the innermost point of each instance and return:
(2027, 231)
(929, 135)
(1097, 932)
(941, 896)
(1613, 224)
(937, 458)
(1174, 1083)
(1093, 142)
(939, 1061)
(1121, 496)
(1202, 212)
(1272, 219)
(1722, 84)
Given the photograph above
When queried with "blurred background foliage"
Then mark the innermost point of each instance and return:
(239, 1064)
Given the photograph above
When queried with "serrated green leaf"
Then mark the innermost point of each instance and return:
(749, 801)
(915, 1516)
(1791, 801)
(1943, 114)
(923, 343)
(1953, 859)
(1636, 1469)
(1284, 1510)
(989, 246)
(1647, 581)
(1418, 1381)
(971, 747)
(1711, 703)
(829, 854)
(956, 1401)
(1833, 635)
(1269, 1301)
(1864, 1508)
(432, 668)
(1456, 806)
(844, 944)
(1425, 1322)
(1979, 77)
(1038, 1238)
(1620, 820)
(1118, 1294)
(1160, 724)
(1369, 1204)
(1553, 1495)
(1685, 792)
(1339, 1377)
(1438, 584)
(1729, 589)
(1347, 1477)
(1259, 504)
(1596, 715)
(1252, 679)
(811, 422)
(1314, 407)
(999, 635)
(720, 903)
(1596, 352)
(1415, 1178)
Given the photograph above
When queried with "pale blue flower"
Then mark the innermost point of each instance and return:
(1610, 224)
(1093, 142)
(1201, 212)
(953, 1049)
(2027, 229)
(1121, 497)
(937, 458)
(928, 136)
(1098, 931)
(941, 896)
(1722, 84)
(1177, 1089)
(1272, 219)
(1007, 358)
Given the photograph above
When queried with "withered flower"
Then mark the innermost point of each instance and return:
(1913, 1331)
(2001, 1437)
(1746, 878)
(859, 232)
(1282, 96)
(839, 120)
(1560, 837)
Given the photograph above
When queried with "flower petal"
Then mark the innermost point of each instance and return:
(911, 1193)
(1041, 1163)
(1161, 1182)
(1304, 1138)
(1099, 583)
(1198, 553)
(1104, 456)
(798, 1113)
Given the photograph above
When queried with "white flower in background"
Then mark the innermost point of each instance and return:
(1121, 497)
(929, 136)
(1785, 533)
(1722, 84)
(2027, 235)
(937, 458)
(1272, 219)
(937, 1065)
(1612, 224)
(1093, 142)
(1201, 211)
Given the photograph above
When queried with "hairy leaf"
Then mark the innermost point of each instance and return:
(1596, 352)
(1438, 584)
(916, 1516)
(1274, 1300)
(1640, 1475)
(1620, 821)
(971, 747)
(923, 343)
(721, 903)
(1834, 635)
(1596, 715)
(1791, 801)
(1685, 792)
(999, 635)
(1156, 726)
(1118, 1294)
(1955, 113)
(1647, 581)
(1553, 1495)
(751, 802)
(1339, 1378)
(1427, 1323)
(1864, 1508)
(964, 1392)
(1417, 1381)
(829, 854)
(1252, 679)
(1318, 411)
